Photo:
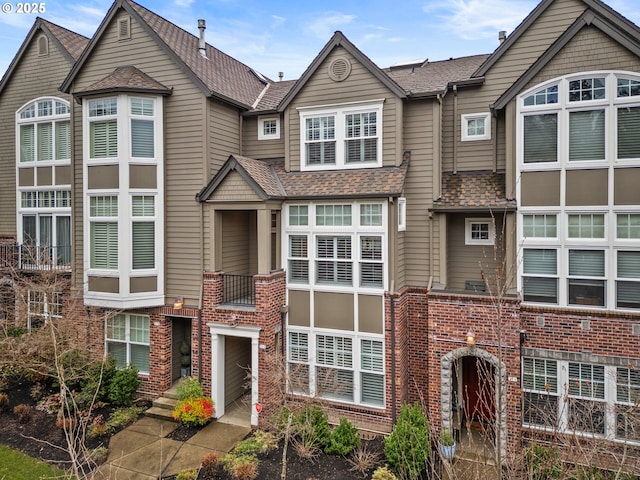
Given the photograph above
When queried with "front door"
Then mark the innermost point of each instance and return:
(478, 390)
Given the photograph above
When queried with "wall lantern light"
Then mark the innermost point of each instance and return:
(178, 303)
(471, 338)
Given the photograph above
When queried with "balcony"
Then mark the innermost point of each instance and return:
(238, 290)
(35, 257)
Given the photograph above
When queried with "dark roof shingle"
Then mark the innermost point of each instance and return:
(127, 78)
(473, 190)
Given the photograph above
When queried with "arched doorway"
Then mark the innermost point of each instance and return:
(473, 394)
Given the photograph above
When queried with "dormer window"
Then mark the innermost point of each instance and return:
(268, 128)
(340, 137)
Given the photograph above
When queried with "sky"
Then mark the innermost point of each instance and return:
(285, 35)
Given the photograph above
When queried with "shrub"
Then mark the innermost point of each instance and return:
(312, 425)
(66, 423)
(96, 383)
(4, 402)
(36, 391)
(123, 417)
(23, 412)
(407, 447)
(210, 464)
(189, 387)
(343, 439)
(259, 443)
(279, 420)
(542, 462)
(362, 460)
(383, 473)
(124, 385)
(98, 427)
(188, 474)
(242, 467)
(98, 455)
(194, 412)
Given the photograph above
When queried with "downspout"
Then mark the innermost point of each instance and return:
(455, 129)
(200, 298)
(495, 140)
(392, 311)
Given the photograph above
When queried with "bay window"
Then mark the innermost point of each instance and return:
(571, 129)
(344, 136)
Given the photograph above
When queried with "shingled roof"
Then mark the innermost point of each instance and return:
(70, 44)
(270, 181)
(218, 74)
(478, 190)
(127, 78)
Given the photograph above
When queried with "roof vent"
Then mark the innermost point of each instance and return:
(339, 69)
(502, 35)
(43, 46)
(202, 25)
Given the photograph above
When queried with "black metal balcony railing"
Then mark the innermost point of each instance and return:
(238, 290)
(35, 257)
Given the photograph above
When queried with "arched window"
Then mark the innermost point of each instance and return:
(44, 131)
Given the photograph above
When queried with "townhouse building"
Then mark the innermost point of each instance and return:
(465, 232)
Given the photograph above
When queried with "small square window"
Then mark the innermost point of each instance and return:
(479, 231)
(476, 126)
(268, 128)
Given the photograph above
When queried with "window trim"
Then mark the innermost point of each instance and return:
(127, 341)
(268, 136)
(340, 111)
(402, 214)
(464, 126)
(468, 229)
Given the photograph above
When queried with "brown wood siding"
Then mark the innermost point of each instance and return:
(237, 359)
(239, 249)
(27, 83)
(234, 188)
(184, 151)
(224, 135)
(418, 138)
(254, 148)
(360, 86)
(590, 49)
(468, 262)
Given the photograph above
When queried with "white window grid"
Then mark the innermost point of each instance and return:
(314, 355)
(268, 128)
(42, 306)
(475, 126)
(336, 128)
(48, 119)
(333, 227)
(479, 231)
(128, 329)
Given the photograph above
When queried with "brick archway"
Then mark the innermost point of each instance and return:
(446, 378)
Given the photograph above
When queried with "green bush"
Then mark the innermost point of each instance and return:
(123, 417)
(383, 473)
(97, 381)
(407, 447)
(242, 467)
(124, 386)
(343, 439)
(189, 387)
(260, 442)
(542, 462)
(188, 474)
(312, 425)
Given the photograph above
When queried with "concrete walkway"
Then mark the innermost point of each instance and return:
(142, 451)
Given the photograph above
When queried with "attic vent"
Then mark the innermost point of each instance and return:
(124, 28)
(339, 69)
(43, 46)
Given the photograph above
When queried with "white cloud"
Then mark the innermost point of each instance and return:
(325, 26)
(183, 3)
(473, 19)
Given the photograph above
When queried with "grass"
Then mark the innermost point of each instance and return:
(18, 466)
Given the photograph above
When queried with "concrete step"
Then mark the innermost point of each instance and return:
(164, 402)
(171, 393)
(159, 413)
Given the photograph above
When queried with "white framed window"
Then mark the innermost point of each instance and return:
(627, 397)
(44, 131)
(344, 136)
(336, 246)
(540, 392)
(402, 214)
(476, 126)
(127, 339)
(628, 279)
(103, 232)
(540, 226)
(143, 239)
(586, 121)
(345, 368)
(479, 231)
(41, 307)
(580, 397)
(540, 275)
(124, 222)
(268, 128)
